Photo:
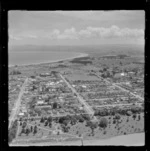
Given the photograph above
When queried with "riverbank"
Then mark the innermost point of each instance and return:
(55, 61)
(136, 139)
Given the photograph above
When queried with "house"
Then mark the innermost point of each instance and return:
(119, 75)
(131, 73)
(40, 102)
(21, 114)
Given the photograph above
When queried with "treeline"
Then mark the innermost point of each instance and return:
(81, 62)
(113, 111)
(15, 72)
(81, 58)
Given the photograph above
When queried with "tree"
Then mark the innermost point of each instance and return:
(92, 125)
(129, 113)
(114, 121)
(42, 120)
(31, 128)
(50, 125)
(86, 117)
(54, 105)
(23, 130)
(35, 130)
(74, 120)
(58, 133)
(127, 119)
(27, 131)
(79, 118)
(134, 116)
(24, 124)
(117, 117)
(46, 123)
(103, 123)
(134, 109)
(49, 119)
(139, 117)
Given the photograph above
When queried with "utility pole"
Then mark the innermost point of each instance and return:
(81, 136)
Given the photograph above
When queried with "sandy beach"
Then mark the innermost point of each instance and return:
(40, 63)
(137, 139)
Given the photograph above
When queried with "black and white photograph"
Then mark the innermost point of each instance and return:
(76, 78)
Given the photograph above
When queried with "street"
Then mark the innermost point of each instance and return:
(123, 89)
(15, 110)
(82, 101)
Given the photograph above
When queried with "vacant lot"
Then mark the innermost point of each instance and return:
(81, 76)
(125, 125)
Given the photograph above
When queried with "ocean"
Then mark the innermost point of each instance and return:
(27, 57)
(30, 54)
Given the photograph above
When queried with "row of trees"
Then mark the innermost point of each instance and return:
(15, 72)
(27, 130)
(113, 111)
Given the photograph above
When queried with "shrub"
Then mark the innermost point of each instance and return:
(129, 113)
(35, 130)
(117, 116)
(103, 123)
(54, 105)
(134, 116)
(114, 121)
(86, 117)
(24, 124)
(42, 120)
(139, 117)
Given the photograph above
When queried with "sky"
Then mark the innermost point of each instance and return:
(76, 27)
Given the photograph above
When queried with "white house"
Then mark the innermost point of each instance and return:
(40, 102)
(21, 114)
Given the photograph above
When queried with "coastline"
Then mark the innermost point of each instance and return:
(55, 61)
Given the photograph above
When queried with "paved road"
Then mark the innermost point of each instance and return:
(15, 110)
(123, 89)
(88, 108)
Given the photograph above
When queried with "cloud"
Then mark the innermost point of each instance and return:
(89, 32)
(14, 37)
(30, 36)
(100, 32)
(115, 31)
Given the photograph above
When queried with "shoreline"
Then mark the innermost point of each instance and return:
(55, 61)
(135, 139)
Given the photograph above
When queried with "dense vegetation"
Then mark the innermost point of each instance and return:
(113, 111)
(12, 131)
(84, 62)
(15, 72)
